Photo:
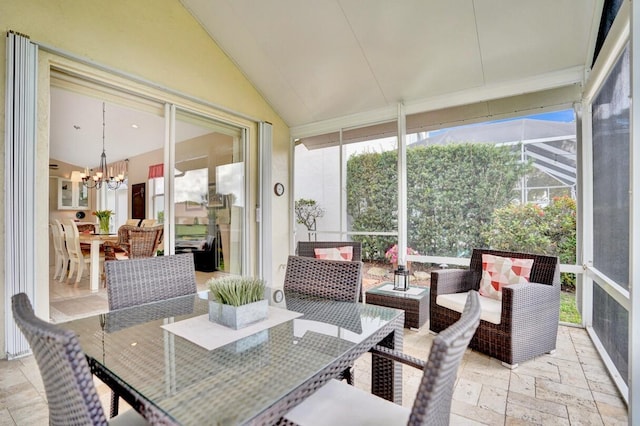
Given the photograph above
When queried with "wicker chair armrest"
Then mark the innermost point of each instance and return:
(397, 356)
(526, 301)
(449, 281)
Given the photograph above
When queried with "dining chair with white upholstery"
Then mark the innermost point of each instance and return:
(79, 259)
(71, 394)
(60, 250)
(337, 403)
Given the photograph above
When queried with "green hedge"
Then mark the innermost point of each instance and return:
(452, 192)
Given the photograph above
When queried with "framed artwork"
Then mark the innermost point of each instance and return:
(138, 201)
(215, 200)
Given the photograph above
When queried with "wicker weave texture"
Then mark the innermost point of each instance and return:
(432, 405)
(135, 242)
(71, 394)
(530, 312)
(137, 281)
(329, 279)
(416, 309)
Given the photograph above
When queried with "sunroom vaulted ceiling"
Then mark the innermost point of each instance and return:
(321, 61)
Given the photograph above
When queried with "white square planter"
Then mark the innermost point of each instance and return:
(238, 317)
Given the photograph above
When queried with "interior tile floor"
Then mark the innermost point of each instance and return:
(569, 387)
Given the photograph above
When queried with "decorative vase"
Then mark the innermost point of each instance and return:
(104, 225)
(238, 317)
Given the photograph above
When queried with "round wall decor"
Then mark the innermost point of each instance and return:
(278, 188)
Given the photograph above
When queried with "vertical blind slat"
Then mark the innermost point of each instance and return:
(19, 195)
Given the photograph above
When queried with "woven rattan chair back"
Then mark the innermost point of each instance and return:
(71, 394)
(432, 405)
(143, 242)
(306, 248)
(137, 281)
(329, 279)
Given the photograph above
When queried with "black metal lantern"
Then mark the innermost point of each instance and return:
(401, 279)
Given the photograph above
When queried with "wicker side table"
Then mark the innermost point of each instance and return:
(414, 302)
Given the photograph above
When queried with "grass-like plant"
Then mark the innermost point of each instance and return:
(236, 291)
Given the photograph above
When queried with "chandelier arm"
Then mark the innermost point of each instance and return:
(101, 175)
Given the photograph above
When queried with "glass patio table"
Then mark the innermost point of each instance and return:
(254, 380)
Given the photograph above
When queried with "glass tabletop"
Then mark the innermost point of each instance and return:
(237, 382)
(411, 293)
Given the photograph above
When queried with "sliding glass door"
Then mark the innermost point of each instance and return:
(209, 192)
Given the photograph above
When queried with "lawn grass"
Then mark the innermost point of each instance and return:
(568, 311)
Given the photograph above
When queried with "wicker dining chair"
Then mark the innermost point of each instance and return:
(337, 404)
(137, 281)
(308, 249)
(134, 242)
(327, 279)
(71, 394)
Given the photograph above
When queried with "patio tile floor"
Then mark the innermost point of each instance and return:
(569, 387)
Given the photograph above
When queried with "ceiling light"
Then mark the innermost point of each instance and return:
(101, 176)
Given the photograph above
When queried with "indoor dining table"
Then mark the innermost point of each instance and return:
(256, 379)
(96, 240)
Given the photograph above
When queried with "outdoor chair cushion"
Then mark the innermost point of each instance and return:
(498, 271)
(334, 253)
(490, 308)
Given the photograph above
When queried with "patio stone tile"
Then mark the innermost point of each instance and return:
(594, 374)
(493, 398)
(523, 384)
(564, 394)
(475, 413)
(485, 377)
(612, 400)
(5, 418)
(573, 376)
(612, 413)
(32, 415)
(531, 416)
(20, 395)
(580, 416)
(608, 388)
(467, 391)
(463, 421)
(556, 409)
(540, 370)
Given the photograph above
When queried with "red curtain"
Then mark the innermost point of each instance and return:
(156, 171)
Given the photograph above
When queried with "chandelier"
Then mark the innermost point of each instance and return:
(101, 176)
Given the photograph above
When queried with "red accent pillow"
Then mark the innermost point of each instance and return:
(499, 271)
(334, 253)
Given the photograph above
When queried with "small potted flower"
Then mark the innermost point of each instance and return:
(392, 255)
(237, 302)
(104, 218)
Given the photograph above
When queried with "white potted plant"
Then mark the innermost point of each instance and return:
(237, 302)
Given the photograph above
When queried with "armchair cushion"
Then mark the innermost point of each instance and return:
(334, 253)
(491, 309)
(498, 271)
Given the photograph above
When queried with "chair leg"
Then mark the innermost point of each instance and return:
(347, 375)
(115, 399)
(80, 272)
(72, 268)
(509, 366)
